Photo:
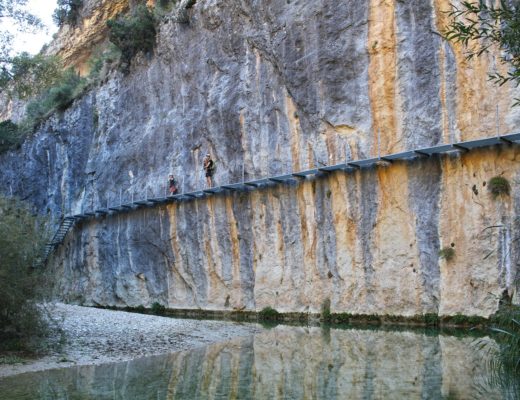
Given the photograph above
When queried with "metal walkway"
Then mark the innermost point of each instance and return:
(349, 166)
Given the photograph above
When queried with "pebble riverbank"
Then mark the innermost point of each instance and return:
(97, 336)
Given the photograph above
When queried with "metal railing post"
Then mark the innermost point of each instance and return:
(497, 122)
(379, 142)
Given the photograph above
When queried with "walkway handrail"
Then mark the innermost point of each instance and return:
(348, 166)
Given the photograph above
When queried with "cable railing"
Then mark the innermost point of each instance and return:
(129, 204)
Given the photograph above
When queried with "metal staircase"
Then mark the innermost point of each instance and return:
(64, 227)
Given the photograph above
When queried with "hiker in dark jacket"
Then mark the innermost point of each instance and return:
(172, 185)
(209, 168)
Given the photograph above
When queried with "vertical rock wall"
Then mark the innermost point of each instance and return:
(272, 87)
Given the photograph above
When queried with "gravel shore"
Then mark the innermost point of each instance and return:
(96, 336)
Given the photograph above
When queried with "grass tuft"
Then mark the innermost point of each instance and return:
(499, 185)
(448, 253)
(268, 314)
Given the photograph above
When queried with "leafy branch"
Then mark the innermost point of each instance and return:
(480, 27)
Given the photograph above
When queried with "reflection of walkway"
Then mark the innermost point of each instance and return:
(348, 166)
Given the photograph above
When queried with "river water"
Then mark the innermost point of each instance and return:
(284, 363)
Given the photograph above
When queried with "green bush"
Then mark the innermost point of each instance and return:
(23, 287)
(268, 313)
(325, 310)
(166, 4)
(499, 185)
(101, 61)
(9, 135)
(133, 33)
(56, 98)
(30, 75)
(158, 308)
(448, 253)
(67, 12)
(431, 319)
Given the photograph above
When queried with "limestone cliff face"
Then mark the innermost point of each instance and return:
(75, 44)
(268, 88)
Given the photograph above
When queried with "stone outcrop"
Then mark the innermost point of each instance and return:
(268, 88)
(76, 44)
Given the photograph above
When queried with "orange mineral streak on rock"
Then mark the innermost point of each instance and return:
(180, 282)
(339, 139)
(270, 269)
(307, 213)
(345, 229)
(236, 297)
(396, 263)
(75, 45)
(382, 48)
(355, 298)
(217, 285)
(295, 132)
(471, 221)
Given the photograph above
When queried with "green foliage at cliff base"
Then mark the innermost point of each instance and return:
(268, 314)
(22, 317)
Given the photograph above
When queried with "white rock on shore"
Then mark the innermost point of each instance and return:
(96, 336)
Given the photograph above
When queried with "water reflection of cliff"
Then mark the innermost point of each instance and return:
(284, 363)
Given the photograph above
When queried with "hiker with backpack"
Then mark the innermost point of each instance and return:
(209, 168)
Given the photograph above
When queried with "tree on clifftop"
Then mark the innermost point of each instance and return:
(67, 12)
(479, 26)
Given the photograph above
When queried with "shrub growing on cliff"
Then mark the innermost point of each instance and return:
(56, 98)
(9, 135)
(499, 185)
(103, 59)
(133, 33)
(67, 12)
(21, 245)
(448, 253)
